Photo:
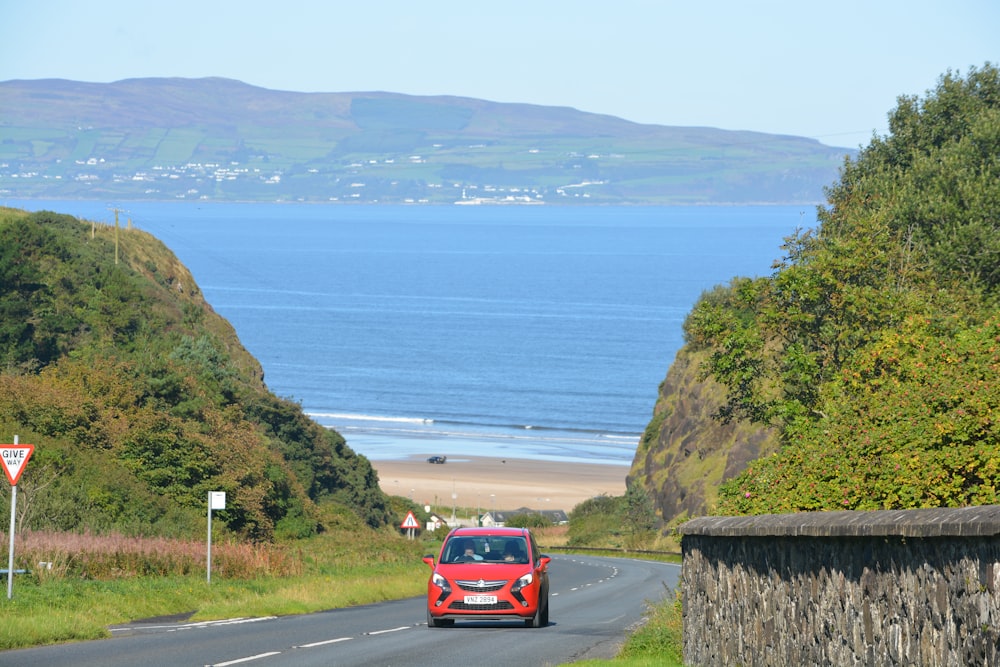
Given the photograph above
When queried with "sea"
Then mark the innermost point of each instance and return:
(539, 332)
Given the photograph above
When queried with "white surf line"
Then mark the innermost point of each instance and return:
(324, 643)
(247, 659)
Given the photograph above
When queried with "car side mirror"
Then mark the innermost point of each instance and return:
(429, 559)
(543, 561)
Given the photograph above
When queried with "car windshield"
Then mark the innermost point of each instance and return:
(485, 549)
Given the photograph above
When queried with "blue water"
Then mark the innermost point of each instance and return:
(539, 332)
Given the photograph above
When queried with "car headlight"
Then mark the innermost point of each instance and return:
(440, 582)
(522, 582)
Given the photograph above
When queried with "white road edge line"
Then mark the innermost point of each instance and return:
(324, 643)
(247, 659)
(239, 621)
(382, 632)
(189, 626)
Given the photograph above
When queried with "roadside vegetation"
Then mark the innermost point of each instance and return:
(658, 643)
(872, 348)
(629, 523)
(140, 399)
(99, 581)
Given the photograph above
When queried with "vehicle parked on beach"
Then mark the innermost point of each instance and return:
(437, 459)
(488, 574)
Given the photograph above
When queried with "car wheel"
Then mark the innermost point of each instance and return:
(434, 622)
(537, 620)
(545, 613)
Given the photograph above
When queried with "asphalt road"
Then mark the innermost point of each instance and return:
(593, 603)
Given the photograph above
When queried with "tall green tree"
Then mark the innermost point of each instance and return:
(909, 241)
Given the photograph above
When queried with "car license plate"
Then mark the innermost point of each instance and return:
(480, 599)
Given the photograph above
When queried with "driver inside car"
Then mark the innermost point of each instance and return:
(469, 552)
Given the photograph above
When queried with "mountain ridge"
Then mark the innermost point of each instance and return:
(222, 139)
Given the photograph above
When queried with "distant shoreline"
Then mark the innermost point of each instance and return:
(20, 201)
(487, 482)
(390, 445)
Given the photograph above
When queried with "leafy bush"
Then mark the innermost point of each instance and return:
(873, 346)
(528, 520)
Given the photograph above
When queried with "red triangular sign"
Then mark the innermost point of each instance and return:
(14, 458)
(410, 521)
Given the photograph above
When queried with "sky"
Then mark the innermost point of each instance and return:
(830, 70)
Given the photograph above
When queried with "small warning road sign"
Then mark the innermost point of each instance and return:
(410, 521)
(14, 457)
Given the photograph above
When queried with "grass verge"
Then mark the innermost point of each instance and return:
(658, 643)
(49, 606)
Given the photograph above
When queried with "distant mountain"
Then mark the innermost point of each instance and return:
(219, 139)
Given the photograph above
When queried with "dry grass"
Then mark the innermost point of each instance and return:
(555, 536)
(52, 555)
(100, 580)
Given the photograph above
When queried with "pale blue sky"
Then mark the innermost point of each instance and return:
(828, 70)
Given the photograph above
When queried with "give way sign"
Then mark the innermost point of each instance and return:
(14, 458)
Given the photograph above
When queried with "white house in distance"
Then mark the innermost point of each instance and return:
(499, 517)
(435, 521)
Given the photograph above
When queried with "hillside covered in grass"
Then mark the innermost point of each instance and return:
(863, 373)
(140, 399)
(223, 140)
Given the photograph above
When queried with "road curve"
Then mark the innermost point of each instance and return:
(594, 601)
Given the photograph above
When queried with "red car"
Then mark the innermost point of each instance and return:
(488, 574)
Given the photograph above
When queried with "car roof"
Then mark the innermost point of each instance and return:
(498, 531)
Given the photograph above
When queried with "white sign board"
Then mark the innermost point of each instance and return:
(216, 500)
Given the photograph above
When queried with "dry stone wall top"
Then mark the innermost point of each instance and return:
(936, 522)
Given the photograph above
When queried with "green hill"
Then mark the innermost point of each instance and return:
(140, 399)
(223, 140)
(862, 374)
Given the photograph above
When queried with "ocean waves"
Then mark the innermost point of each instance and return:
(384, 437)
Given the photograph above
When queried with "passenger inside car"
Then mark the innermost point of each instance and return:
(513, 552)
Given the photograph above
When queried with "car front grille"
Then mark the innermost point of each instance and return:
(501, 605)
(480, 585)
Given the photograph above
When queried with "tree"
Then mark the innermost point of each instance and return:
(909, 236)
(637, 509)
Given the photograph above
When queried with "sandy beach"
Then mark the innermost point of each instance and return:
(496, 483)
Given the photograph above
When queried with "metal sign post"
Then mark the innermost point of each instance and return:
(216, 501)
(14, 457)
(410, 523)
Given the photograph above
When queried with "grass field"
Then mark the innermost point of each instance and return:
(95, 582)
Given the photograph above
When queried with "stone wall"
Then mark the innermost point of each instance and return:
(917, 587)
